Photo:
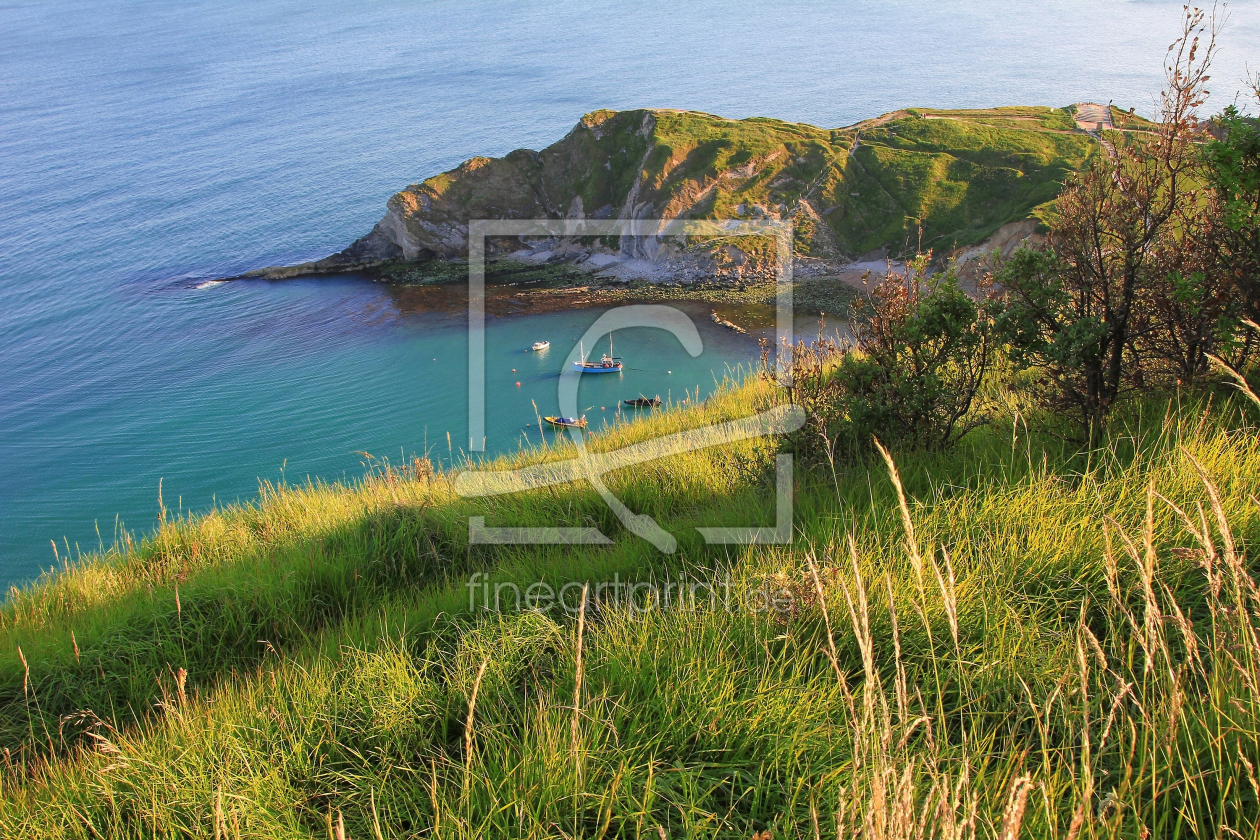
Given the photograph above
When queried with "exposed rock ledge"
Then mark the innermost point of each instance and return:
(371, 251)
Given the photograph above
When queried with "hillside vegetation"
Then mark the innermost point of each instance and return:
(1020, 598)
(1032, 640)
(957, 175)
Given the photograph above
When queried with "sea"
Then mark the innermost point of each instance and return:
(149, 148)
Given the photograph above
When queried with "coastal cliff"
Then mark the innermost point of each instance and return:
(946, 180)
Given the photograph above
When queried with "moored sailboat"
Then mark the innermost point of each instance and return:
(608, 364)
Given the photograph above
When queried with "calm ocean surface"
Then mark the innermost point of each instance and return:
(147, 147)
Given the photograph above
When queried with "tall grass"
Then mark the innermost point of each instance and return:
(1014, 639)
(219, 593)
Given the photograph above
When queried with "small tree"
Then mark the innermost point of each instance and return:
(923, 347)
(1210, 254)
(1079, 310)
(920, 351)
(1194, 305)
(1233, 170)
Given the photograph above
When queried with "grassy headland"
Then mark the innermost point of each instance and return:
(989, 632)
(961, 174)
(911, 179)
(1037, 639)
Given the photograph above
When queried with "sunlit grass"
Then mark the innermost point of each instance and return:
(1039, 642)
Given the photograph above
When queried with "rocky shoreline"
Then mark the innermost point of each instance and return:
(514, 287)
(553, 275)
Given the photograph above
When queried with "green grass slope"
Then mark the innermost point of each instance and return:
(1031, 640)
(957, 174)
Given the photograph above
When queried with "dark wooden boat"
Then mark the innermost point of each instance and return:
(567, 422)
(643, 402)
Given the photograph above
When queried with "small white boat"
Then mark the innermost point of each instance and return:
(540, 345)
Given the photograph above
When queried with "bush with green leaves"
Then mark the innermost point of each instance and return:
(1129, 288)
(1233, 169)
(1194, 309)
(921, 348)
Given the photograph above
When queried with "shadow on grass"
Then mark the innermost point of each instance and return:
(326, 584)
(118, 662)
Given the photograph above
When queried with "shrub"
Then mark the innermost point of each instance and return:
(1082, 310)
(921, 347)
(1193, 308)
(1233, 169)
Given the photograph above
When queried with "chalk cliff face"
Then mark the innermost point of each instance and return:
(956, 175)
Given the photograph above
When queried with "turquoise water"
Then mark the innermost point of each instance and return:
(147, 147)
